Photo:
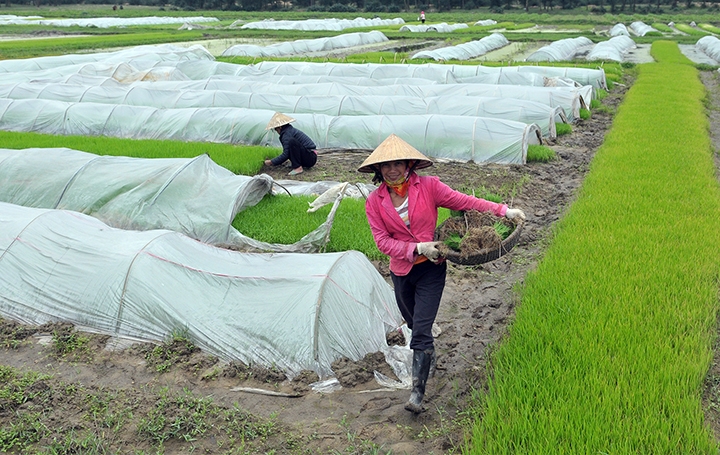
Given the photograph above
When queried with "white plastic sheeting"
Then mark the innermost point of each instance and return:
(195, 197)
(613, 49)
(104, 22)
(290, 311)
(529, 79)
(568, 98)
(322, 79)
(322, 24)
(307, 46)
(710, 46)
(138, 58)
(449, 137)
(433, 71)
(240, 126)
(485, 22)
(466, 51)
(334, 105)
(619, 29)
(439, 28)
(560, 50)
(640, 28)
(149, 63)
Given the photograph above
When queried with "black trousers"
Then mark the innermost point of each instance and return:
(418, 297)
(299, 155)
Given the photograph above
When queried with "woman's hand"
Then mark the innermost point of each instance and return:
(268, 163)
(513, 214)
(429, 250)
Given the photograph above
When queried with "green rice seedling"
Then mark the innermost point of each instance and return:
(562, 129)
(692, 31)
(710, 28)
(520, 26)
(614, 333)
(600, 95)
(292, 221)
(662, 27)
(585, 113)
(284, 219)
(453, 241)
(540, 154)
(595, 103)
(502, 229)
(245, 160)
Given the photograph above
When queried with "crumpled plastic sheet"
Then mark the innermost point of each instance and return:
(398, 357)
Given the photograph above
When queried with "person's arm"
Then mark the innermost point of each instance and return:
(385, 242)
(280, 159)
(455, 200)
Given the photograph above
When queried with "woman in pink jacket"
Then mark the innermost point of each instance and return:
(403, 214)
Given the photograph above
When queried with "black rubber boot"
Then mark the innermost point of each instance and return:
(420, 371)
(433, 365)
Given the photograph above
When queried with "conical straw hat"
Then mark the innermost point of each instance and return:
(278, 120)
(394, 149)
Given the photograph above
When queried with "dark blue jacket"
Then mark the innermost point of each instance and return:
(287, 133)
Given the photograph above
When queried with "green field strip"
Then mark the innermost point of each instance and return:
(614, 333)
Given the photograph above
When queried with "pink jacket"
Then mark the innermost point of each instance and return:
(425, 195)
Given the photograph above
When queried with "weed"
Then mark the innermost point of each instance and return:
(67, 342)
(174, 350)
(358, 446)
(20, 434)
(72, 443)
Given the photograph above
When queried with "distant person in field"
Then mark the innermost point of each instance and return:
(297, 146)
(422, 16)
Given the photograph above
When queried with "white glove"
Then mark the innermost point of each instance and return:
(512, 214)
(429, 250)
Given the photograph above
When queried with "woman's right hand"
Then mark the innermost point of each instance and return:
(429, 250)
(268, 163)
(512, 214)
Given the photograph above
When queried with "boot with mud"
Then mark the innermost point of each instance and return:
(420, 371)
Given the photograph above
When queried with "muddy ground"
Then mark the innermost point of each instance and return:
(477, 307)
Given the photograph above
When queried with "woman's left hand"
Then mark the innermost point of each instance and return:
(513, 214)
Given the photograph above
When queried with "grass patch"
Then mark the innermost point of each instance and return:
(540, 154)
(563, 128)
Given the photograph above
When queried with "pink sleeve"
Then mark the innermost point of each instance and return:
(455, 200)
(386, 243)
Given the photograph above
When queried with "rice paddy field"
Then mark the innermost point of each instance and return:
(597, 334)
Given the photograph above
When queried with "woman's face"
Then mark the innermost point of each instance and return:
(392, 171)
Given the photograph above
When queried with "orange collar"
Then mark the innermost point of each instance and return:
(400, 189)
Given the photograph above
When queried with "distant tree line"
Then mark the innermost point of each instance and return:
(398, 6)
